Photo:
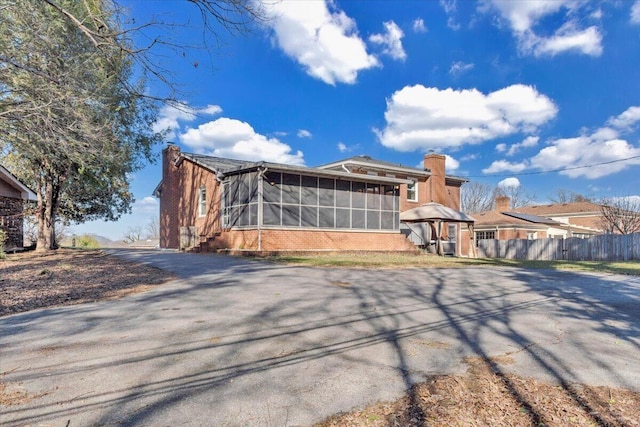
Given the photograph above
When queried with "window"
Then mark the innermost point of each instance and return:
(240, 200)
(412, 191)
(482, 235)
(297, 200)
(202, 201)
(532, 235)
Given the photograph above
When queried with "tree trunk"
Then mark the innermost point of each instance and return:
(46, 220)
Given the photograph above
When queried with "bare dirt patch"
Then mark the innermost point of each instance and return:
(487, 397)
(66, 277)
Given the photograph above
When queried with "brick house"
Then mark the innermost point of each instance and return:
(13, 195)
(536, 222)
(354, 204)
(587, 215)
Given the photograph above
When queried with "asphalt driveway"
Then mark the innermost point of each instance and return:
(236, 342)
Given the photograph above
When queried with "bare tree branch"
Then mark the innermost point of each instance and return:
(621, 215)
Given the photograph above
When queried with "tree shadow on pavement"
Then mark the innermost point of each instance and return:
(244, 342)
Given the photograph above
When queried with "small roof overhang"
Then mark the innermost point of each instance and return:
(25, 192)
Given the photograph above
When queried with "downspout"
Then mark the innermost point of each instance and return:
(260, 205)
(346, 169)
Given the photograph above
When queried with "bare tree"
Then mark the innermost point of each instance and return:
(476, 197)
(133, 234)
(562, 195)
(621, 215)
(519, 196)
(141, 42)
(153, 228)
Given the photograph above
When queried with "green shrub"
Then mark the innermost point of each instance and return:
(87, 242)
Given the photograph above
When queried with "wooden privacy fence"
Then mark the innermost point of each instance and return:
(605, 247)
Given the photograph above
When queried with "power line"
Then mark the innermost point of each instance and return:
(552, 170)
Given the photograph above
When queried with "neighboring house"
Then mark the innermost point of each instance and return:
(549, 221)
(582, 214)
(353, 204)
(13, 195)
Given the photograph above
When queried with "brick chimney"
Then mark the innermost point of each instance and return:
(503, 203)
(169, 156)
(169, 199)
(436, 182)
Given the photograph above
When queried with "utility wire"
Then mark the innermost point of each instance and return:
(552, 170)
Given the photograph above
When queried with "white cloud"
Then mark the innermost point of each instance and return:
(235, 139)
(450, 8)
(596, 14)
(635, 12)
(586, 150)
(523, 17)
(425, 118)
(450, 164)
(568, 38)
(530, 141)
(391, 41)
(505, 166)
(170, 117)
(501, 148)
(604, 134)
(627, 119)
(511, 182)
(343, 148)
(419, 27)
(460, 67)
(303, 133)
(147, 205)
(320, 37)
(210, 109)
(592, 155)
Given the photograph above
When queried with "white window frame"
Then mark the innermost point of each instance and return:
(202, 201)
(414, 185)
(484, 235)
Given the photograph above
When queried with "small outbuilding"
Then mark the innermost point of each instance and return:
(13, 195)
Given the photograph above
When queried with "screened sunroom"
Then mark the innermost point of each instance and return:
(309, 199)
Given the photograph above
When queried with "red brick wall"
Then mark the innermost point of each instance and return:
(278, 240)
(179, 199)
(11, 221)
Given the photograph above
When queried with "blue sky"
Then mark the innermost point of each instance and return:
(510, 91)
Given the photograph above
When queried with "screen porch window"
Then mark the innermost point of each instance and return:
(307, 201)
(412, 191)
(202, 201)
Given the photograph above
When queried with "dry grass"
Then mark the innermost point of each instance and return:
(486, 397)
(409, 260)
(66, 277)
